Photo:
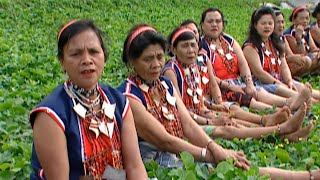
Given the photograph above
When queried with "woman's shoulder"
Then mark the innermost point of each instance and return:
(288, 31)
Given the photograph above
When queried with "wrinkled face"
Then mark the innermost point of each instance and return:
(83, 59)
(265, 26)
(212, 25)
(194, 28)
(187, 51)
(302, 18)
(279, 25)
(148, 66)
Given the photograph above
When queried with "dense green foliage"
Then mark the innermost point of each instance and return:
(29, 71)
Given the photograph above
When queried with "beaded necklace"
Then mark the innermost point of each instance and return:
(165, 109)
(192, 97)
(225, 52)
(99, 130)
(203, 69)
(273, 59)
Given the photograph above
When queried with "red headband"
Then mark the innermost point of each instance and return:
(65, 26)
(179, 32)
(295, 11)
(137, 32)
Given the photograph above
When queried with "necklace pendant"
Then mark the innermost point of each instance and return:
(189, 91)
(169, 117)
(230, 48)
(164, 110)
(187, 71)
(200, 59)
(221, 51)
(170, 99)
(205, 80)
(279, 61)
(108, 109)
(195, 99)
(144, 87)
(197, 80)
(229, 56)
(213, 47)
(110, 126)
(267, 52)
(273, 61)
(199, 91)
(80, 110)
(103, 128)
(93, 127)
(262, 44)
(204, 69)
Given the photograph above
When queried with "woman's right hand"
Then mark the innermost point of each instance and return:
(219, 154)
(299, 32)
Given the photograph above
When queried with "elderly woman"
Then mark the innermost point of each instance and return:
(161, 119)
(230, 66)
(92, 124)
(265, 46)
(300, 40)
(188, 74)
(315, 26)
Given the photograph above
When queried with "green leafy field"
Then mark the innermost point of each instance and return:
(29, 71)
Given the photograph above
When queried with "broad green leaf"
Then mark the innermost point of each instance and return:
(283, 155)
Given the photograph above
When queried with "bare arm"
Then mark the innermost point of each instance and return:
(169, 73)
(53, 157)
(130, 150)
(312, 45)
(315, 33)
(152, 131)
(244, 70)
(294, 46)
(253, 59)
(286, 73)
(214, 89)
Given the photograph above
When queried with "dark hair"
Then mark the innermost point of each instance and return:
(255, 38)
(295, 13)
(140, 43)
(184, 36)
(316, 11)
(190, 21)
(76, 28)
(205, 12)
(277, 11)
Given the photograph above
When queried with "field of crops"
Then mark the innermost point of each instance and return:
(29, 70)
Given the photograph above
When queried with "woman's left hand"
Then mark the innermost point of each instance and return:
(250, 90)
(292, 86)
(220, 154)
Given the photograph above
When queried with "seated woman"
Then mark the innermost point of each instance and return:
(296, 60)
(300, 40)
(92, 124)
(297, 63)
(315, 26)
(264, 46)
(190, 81)
(161, 119)
(229, 65)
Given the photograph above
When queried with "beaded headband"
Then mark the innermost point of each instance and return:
(65, 27)
(295, 11)
(137, 32)
(179, 32)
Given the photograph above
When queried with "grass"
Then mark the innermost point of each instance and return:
(29, 69)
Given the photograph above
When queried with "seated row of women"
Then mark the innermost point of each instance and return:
(96, 132)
